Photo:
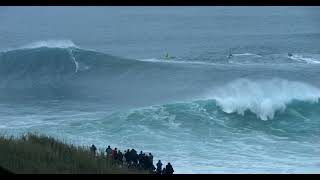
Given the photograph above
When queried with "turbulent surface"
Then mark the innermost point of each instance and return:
(243, 100)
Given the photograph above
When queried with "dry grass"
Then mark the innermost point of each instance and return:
(34, 154)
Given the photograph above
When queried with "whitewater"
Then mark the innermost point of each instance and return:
(240, 96)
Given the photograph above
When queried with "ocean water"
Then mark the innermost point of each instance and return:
(99, 75)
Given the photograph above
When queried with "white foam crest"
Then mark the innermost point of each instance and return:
(301, 58)
(262, 97)
(49, 44)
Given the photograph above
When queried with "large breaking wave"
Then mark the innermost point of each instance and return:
(297, 119)
(65, 68)
(280, 107)
(53, 56)
(263, 97)
(55, 69)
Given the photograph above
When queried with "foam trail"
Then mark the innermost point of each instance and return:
(174, 61)
(263, 97)
(299, 115)
(247, 54)
(74, 60)
(300, 58)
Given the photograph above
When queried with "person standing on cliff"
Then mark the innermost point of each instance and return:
(159, 167)
(169, 169)
(151, 158)
(109, 151)
(93, 149)
(114, 154)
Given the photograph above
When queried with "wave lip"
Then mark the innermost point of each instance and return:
(263, 98)
(50, 44)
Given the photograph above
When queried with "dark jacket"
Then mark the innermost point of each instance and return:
(169, 169)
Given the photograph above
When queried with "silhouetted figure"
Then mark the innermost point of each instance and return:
(164, 171)
(119, 156)
(146, 162)
(159, 167)
(130, 158)
(109, 151)
(124, 160)
(140, 158)
(152, 168)
(114, 153)
(134, 156)
(127, 156)
(93, 149)
(151, 158)
(169, 169)
(230, 56)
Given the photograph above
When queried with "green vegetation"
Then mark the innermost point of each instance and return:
(41, 154)
(4, 171)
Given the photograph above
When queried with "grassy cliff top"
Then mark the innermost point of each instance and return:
(40, 154)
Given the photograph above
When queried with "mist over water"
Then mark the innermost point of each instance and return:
(103, 78)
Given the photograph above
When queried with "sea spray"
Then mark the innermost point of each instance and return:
(262, 97)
